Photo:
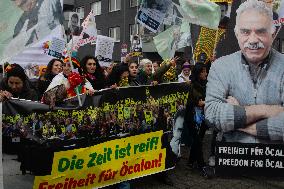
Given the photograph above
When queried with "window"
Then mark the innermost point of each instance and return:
(81, 12)
(99, 32)
(114, 33)
(114, 5)
(133, 30)
(133, 3)
(97, 7)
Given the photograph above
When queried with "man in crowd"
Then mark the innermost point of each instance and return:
(245, 90)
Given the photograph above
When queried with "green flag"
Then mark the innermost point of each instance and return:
(200, 12)
(165, 43)
(172, 39)
(184, 39)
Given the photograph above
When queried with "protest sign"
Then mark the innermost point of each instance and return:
(104, 49)
(249, 159)
(136, 46)
(56, 48)
(152, 13)
(37, 53)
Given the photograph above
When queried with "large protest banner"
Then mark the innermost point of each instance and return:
(115, 136)
(107, 163)
(25, 23)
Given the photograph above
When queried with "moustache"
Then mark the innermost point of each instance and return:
(254, 46)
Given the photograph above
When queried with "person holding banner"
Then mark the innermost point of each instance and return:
(53, 68)
(93, 72)
(16, 84)
(194, 115)
(146, 77)
(133, 72)
(244, 96)
(63, 86)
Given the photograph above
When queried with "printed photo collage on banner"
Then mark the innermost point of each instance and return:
(103, 119)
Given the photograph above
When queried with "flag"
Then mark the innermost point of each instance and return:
(200, 12)
(165, 42)
(174, 38)
(89, 25)
(88, 34)
(37, 53)
(184, 39)
(22, 27)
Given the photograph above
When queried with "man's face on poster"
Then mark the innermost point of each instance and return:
(25, 5)
(254, 32)
(224, 10)
(74, 21)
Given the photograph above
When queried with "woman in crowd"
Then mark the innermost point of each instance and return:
(194, 118)
(54, 67)
(184, 76)
(16, 84)
(63, 86)
(119, 76)
(133, 72)
(93, 72)
(156, 66)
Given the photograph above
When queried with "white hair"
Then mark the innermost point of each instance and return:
(257, 5)
(144, 61)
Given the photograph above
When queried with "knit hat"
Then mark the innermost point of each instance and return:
(186, 65)
(17, 71)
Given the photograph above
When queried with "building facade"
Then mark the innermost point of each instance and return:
(117, 19)
(114, 18)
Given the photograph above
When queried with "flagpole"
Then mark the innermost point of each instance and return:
(72, 67)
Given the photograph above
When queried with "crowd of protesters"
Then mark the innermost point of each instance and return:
(54, 85)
